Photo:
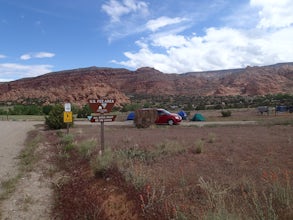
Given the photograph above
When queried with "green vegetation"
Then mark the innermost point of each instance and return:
(47, 109)
(84, 112)
(87, 148)
(137, 101)
(22, 110)
(130, 107)
(190, 103)
(55, 118)
(102, 163)
(67, 143)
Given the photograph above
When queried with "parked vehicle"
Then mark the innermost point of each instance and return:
(165, 117)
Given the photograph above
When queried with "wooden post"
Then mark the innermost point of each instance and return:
(102, 138)
(67, 128)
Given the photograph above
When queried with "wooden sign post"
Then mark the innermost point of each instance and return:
(100, 107)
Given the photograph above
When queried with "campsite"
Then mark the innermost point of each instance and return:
(186, 171)
(236, 167)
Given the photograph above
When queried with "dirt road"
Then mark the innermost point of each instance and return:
(31, 198)
(12, 137)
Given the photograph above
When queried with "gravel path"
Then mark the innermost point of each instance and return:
(12, 138)
(31, 199)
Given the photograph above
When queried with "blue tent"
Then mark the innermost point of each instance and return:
(183, 114)
(131, 116)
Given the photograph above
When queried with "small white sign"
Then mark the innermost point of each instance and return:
(67, 107)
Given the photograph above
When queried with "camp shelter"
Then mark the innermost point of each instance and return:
(131, 116)
(198, 117)
(182, 114)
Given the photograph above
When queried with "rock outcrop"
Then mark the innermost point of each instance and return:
(78, 85)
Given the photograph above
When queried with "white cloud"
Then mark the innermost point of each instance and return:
(29, 56)
(44, 55)
(116, 9)
(10, 71)
(169, 41)
(2, 56)
(225, 47)
(274, 14)
(25, 57)
(163, 21)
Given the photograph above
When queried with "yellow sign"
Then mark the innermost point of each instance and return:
(67, 117)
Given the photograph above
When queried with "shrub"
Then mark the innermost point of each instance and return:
(3, 112)
(198, 147)
(46, 109)
(130, 107)
(55, 118)
(102, 163)
(84, 112)
(67, 142)
(25, 110)
(87, 148)
(226, 113)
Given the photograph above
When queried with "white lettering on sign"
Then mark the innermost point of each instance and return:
(101, 105)
(105, 101)
(93, 101)
(104, 118)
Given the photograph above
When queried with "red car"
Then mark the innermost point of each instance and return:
(165, 117)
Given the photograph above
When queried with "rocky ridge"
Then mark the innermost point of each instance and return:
(78, 85)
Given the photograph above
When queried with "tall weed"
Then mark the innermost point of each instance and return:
(87, 148)
(101, 163)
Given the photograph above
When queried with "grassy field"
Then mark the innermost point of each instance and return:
(22, 117)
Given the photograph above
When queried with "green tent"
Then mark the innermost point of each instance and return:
(198, 117)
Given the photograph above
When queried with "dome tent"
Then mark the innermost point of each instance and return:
(198, 117)
(182, 114)
(130, 116)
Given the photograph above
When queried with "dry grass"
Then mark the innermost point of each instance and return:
(241, 172)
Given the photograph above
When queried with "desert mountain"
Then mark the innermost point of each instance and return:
(78, 85)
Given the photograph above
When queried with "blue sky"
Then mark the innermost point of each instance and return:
(41, 36)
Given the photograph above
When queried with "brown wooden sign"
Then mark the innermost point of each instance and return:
(101, 105)
(104, 118)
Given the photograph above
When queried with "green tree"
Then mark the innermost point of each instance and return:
(55, 118)
(84, 111)
(46, 109)
(25, 110)
(130, 107)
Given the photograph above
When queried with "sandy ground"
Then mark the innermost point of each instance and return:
(31, 199)
(12, 136)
